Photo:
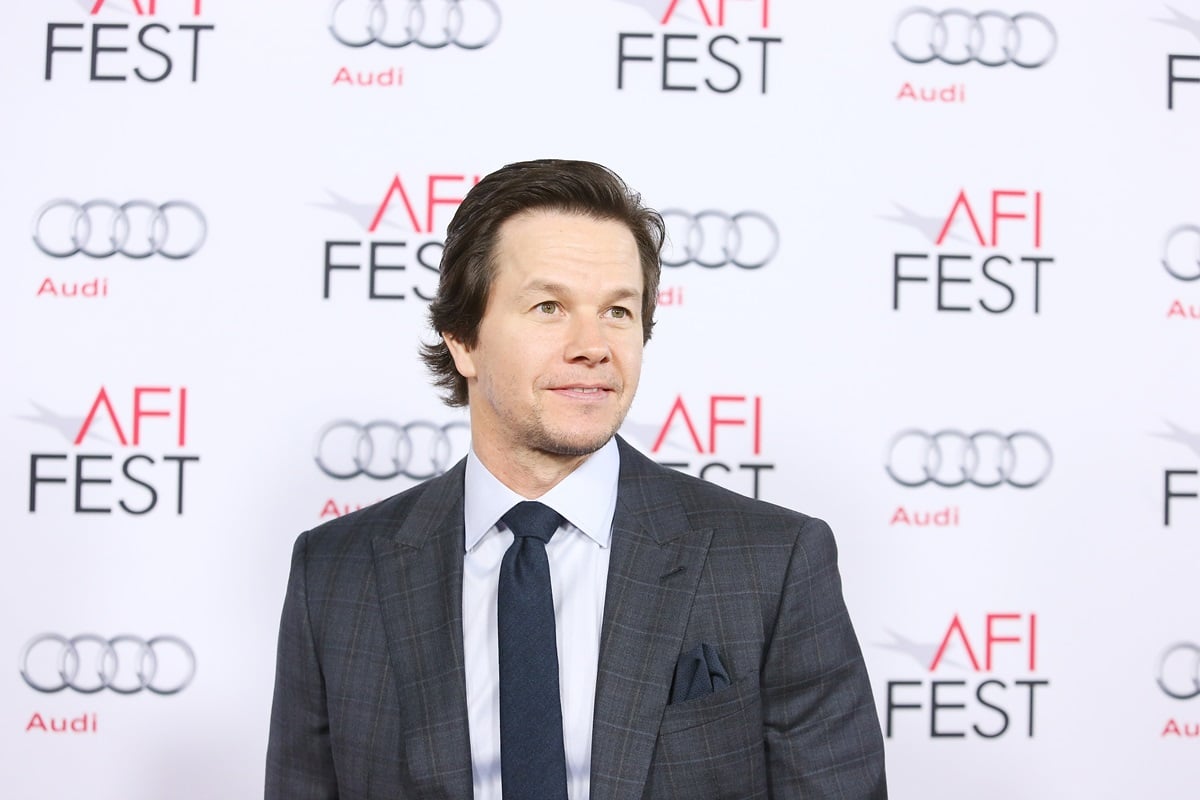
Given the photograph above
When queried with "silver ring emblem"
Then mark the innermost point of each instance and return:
(1180, 666)
(395, 24)
(951, 458)
(382, 449)
(1181, 256)
(136, 229)
(124, 664)
(712, 239)
(957, 36)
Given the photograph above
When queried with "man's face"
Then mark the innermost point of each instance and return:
(559, 351)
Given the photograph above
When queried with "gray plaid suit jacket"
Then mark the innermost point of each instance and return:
(370, 697)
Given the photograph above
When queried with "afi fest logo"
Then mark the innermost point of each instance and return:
(1181, 260)
(708, 46)
(955, 38)
(986, 256)
(718, 438)
(1183, 69)
(147, 41)
(397, 247)
(994, 691)
(127, 454)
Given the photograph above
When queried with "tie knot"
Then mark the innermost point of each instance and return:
(531, 518)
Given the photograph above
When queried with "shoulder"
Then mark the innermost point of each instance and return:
(355, 531)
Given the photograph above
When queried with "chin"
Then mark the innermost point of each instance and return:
(572, 444)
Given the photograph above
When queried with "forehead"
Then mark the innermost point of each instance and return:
(549, 237)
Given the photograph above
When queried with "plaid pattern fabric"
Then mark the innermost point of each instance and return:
(370, 698)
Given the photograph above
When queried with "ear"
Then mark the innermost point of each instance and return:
(461, 354)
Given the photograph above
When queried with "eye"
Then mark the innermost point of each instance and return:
(620, 312)
(547, 307)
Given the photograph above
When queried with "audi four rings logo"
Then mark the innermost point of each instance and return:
(125, 664)
(951, 458)
(1181, 252)
(102, 228)
(1179, 671)
(469, 24)
(711, 239)
(382, 449)
(991, 38)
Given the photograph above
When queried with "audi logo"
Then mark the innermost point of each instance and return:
(1179, 671)
(951, 458)
(711, 239)
(382, 449)
(1181, 252)
(991, 38)
(102, 228)
(399, 23)
(124, 664)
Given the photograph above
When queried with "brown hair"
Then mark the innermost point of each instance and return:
(468, 260)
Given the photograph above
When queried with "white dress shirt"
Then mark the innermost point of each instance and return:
(578, 555)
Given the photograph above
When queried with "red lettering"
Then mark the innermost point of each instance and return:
(396, 187)
(961, 200)
(681, 409)
(955, 625)
(101, 398)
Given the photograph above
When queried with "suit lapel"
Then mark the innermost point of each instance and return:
(419, 571)
(653, 573)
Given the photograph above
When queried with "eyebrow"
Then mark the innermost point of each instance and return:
(550, 287)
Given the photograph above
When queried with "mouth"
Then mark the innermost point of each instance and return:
(583, 392)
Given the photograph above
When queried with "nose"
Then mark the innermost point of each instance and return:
(588, 341)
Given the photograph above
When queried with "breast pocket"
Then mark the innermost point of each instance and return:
(712, 747)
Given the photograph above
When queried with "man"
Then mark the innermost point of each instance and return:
(691, 643)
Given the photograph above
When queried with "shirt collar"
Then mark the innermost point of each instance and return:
(587, 498)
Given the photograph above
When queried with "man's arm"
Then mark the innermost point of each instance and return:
(820, 725)
(299, 757)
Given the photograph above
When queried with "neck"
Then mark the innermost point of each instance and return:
(529, 473)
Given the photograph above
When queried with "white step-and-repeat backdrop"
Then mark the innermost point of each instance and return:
(934, 275)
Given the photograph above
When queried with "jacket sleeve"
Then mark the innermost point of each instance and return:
(821, 729)
(299, 754)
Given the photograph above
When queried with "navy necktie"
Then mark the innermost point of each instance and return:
(533, 763)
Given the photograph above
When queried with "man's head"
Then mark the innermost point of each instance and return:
(468, 265)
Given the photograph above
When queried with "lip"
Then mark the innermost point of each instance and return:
(583, 391)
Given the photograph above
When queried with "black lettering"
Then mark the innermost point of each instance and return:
(1037, 262)
(431, 265)
(934, 705)
(97, 50)
(765, 40)
(1168, 493)
(80, 508)
(1172, 78)
(622, 58)
(134, 479)
(52, 48)
(942, 279)
(1012, 296)
(737, 73)
(893, 705)
(986, 704)
(195, 29)
(166, 58)
(1031, 685)
(330, 266)
(179, 485)
(897, 277)
(374, 266)
(668, 58)
(35, 479)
